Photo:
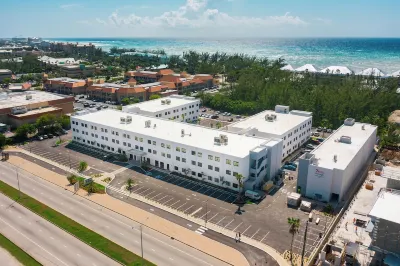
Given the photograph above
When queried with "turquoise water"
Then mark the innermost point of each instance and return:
(355, 53)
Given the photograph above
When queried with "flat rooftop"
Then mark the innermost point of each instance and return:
(65, 79)
(282, 124)
(386, 206)
(345, 152)
(38, 111)
(14, 99)
(195, 136)
(157, 106)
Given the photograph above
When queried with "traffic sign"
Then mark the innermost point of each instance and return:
(76, 186)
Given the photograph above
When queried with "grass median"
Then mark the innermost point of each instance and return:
(86, 235)
(20, 255)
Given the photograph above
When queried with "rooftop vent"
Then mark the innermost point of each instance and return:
(335, 158)
(363, 127)
(349, 121)
(221, 140)
(217, 141)
(147, 123)
(182, 132)
(345, 139)
(162, 102)
(168, 101)
(270, 117)
(28, 97)
(126, 120)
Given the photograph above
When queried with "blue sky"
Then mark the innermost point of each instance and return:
(200, 18)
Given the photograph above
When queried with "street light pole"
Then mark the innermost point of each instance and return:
(69, 159)
(141, 242)
(206, 213)
(304, 245)
(19, 189)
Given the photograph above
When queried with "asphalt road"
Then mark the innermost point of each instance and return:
(44, 241)
(158, 248)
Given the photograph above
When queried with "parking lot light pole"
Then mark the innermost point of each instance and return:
(304, 245)
(19, 189)
(206, 213)
(69, 159)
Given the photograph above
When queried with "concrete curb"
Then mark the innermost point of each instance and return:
(267, 249)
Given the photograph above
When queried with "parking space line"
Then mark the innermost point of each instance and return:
(246, 229)
(143, 191)
(188, 208)
(229, 223)
(181, 206)
(156, 195)
(163, 198)
(213, 217)
(137, 189)
(174, 203)
(196, 211)
(204, 215)
(237, 227)
(255, 233)
(264, 236)
(221, 220)
(149, 193)
(165, 203)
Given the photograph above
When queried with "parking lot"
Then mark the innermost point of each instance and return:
(265, 222)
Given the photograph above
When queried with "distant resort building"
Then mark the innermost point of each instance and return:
(163, 58)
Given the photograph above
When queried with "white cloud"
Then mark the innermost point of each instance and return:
(323, 20)
(194, 15)
(69, 6)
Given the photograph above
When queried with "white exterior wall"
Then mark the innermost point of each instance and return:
(336, 180)
(242, 168)
(296, 137)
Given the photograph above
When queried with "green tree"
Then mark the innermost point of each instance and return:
(294, 224)
(82, 166)
(6, 81)
(218, 125)
(125, 101)
(23, 130)
(3, 140)
(154, 97)
(129, 184)
(64, 121)
(72, 179)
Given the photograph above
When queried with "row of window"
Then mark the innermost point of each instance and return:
(210, 178)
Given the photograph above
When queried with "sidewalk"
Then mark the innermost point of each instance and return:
(190, 240)
(152, 221)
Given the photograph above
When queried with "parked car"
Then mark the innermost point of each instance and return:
(63, 131)
(39, 138)
(51, 136)
(329, 130)
(252, 195)
(82, 97)
(316, 134)
(214, 117)
(230, 120)
(324, 129)
(238, 116)
(309, 146)
(289, 167)
(45, 137)
(86, 105)
(98, 108)
(204, 110)
(217, 112)
(319, 129)
(228, 114)
(77, 101)
(105, 106)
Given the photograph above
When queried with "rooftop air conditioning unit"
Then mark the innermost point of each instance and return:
(224, 139)
(217, 141)
(269, 118)
(147, 123)
(335, 158)
(168, 101)
(182, 132)
(345, 139)
(128, 119)
(28, 97)
(162, 102)
(363, 127)
(122, 120)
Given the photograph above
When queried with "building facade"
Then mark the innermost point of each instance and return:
(326, 173)
(202, 153)
(293, 127)
(5, 74)
(77, 71)
(67, 86)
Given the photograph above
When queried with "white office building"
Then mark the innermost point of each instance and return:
(293, 127)
(204, 153)
(326, 173)
(174, 107)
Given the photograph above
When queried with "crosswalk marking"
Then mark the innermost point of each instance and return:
(201, 230)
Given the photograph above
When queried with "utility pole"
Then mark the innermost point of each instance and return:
(206, 213)
(69, 159)
(304, 245)
(19, 189)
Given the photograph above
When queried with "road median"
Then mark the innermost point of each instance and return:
(91, 238)
(18, 253)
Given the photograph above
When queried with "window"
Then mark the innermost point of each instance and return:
(184, 160)
(163, 154)
(141, 139)
(193, 173)
(217, 159)
(227, 183)
(210, 167)
(199, 175)
(228, 161)
(106, 130)
(234, 185)
(124, 135)
(128, 136)
(178, 149)
(209, 178)
(193, 153)
(154, 143)
(117, 141)
(149, 150)
(199, 164)
(199, 154)
(116, 133)
(163, 145)
(113, 132)
(216, 180)
(210, 157)
(149, 141)
(154, 152)
(178, 158)
(183, 150)
(124, 143)
(168, 155)
(129, 145)
(235, 163)
(193, 163)
(136, 138)
(168, 146)
(113, 140)
(235, 173)
(136, 147)
(176, 168)
(228, 172)
(216, 169)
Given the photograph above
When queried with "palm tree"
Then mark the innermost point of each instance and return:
(294, 224)
(129, 184)
(82, 166)
(239, 178)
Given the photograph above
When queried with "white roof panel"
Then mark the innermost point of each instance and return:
(287, 67)
(372, 71)
(340, 70)
(306, 67)
(386, 206)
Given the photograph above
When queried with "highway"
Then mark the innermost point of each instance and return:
(44, 241)
(157, 248)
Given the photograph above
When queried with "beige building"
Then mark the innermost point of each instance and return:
(77, 71)
(5, 73)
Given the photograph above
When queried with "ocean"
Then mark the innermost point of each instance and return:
(355, 53)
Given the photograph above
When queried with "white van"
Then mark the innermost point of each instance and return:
(252, 195)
